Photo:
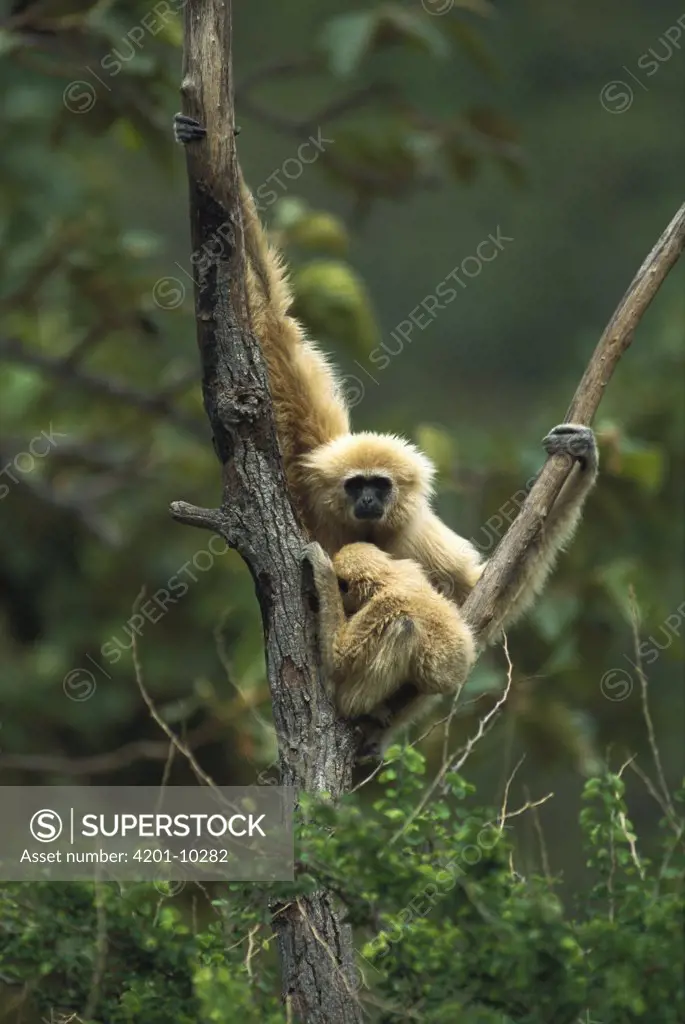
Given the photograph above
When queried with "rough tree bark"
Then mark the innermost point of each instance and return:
(256, 516)
(482, 605)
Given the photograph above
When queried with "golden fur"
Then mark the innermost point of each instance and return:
(320, 453)
(382, 626)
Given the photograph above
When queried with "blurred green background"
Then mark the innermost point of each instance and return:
(557, 129)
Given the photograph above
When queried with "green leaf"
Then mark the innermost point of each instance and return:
(438, 446)
(140, 244)
(402, 24)
(320, 232)
(643, 463)
(288, 212)
(617, 577)
(347, 38)
(555, 616)
(333, 302)
(473, 46)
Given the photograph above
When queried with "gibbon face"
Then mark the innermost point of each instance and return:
(369, 496)
(368, 481)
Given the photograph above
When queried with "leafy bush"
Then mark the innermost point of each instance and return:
(446, 929)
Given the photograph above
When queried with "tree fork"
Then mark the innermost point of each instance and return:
(256, 517)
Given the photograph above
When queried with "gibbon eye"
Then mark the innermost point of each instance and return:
(381, 483)
(343, 585)
(355, 484)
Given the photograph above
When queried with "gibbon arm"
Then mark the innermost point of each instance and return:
(454, 565)
(309, 406)
(371, 659)
(331, 617)
(562, 521)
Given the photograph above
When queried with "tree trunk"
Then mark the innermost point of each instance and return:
(256, 516)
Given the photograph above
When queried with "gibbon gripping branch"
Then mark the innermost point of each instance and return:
(257, 518)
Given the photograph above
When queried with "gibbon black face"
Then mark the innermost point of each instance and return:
(369, 495)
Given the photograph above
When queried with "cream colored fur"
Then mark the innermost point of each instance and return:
(388, 627)
(320, 453)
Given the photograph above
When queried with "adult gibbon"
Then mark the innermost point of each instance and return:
(374, 487)
(391, 645)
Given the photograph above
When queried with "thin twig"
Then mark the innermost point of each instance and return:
(114, 760)
(149, 703)
(644, 687)
(456, 761)
(528, 806)
(654, 792)
(505, 799)
(251, 949)
(537, 825)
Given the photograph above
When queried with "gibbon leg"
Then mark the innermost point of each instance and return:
(453, 564)
(371, 658)
(410, 707)
(331, 618)
(433, 678)
(188, 129)
(579, 442)
(366, 656)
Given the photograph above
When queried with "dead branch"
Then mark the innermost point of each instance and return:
(482, 605)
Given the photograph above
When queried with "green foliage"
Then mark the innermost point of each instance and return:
(348, 38)
(95, 270)
(98, 313)
(332, 300)
(446, 928)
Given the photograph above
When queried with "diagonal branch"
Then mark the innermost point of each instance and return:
(64, 369)
(256, 516)
(482, 606)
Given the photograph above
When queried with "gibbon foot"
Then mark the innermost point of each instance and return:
(188, 129)
(372, 730)
(375, 726)
(572, 439)
(371, 743)
(380, 716)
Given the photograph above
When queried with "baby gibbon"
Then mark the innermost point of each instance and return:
(391, 645)
(375, 487)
